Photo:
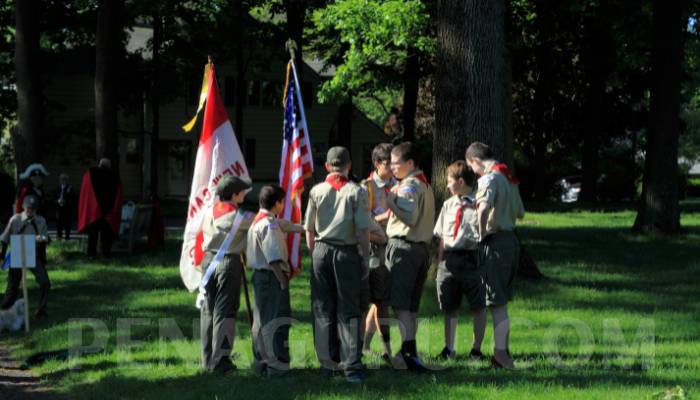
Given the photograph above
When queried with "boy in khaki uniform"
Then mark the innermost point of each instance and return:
(223, 290)
(458, 273)
(337, 220)
(410, 231)
(267, 256)
(498, 206)
(378, 186)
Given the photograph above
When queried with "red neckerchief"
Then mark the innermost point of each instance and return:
(222, 208)
(505, 171)
(261, 215)
(337, 180)
(458, 218)
(387, 185)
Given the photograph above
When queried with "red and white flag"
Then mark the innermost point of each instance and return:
(218, 154)
(297, 163)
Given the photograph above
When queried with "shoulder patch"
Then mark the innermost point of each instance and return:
(407, 189)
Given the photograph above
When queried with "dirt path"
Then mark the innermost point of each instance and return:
(16, 384)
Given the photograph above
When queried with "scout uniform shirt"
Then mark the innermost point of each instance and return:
(377, 191)
(218, 223)
(21, 224)
(338, 209)
(457, 224)
(414, 212)
(503, 200)
(266, 242)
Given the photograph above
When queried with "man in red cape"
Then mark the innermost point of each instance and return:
(99, 208)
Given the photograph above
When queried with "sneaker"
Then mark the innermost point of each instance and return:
(414, 364)
(447, 354)
(356, 377)
(477, 355)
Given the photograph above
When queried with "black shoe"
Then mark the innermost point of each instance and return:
(225, 367)
(447, 354)
(477, 355)
(414, 364)
(356, 377)
(387, 360)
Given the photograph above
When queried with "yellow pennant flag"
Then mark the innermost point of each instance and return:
(202, 97)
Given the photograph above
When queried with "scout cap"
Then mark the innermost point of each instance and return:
(30, 201)
(230, 185)
(338, 156)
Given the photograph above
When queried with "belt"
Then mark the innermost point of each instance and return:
(403, 239)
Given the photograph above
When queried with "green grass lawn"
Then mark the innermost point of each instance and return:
(617, 317)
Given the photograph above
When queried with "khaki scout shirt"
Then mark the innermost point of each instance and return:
(502, 199)
(216, 229)
(21, 224)
(266, 243)
(337, 216)
(377, 189)
(413, 213)
(467, 234)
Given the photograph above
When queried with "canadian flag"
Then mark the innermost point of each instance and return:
(218, 154)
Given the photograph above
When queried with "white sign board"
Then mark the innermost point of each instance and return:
(23, 248)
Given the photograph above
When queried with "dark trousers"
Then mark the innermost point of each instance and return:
(102, 229)
(271, 321)
(64, 219)
(218, 313)
(335, 301)
(14, 278)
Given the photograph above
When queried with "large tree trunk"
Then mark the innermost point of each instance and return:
(544, 90)
(596, 55)
(659, 210)
(27, 138)
(470, 92)
(108, 51)
(155, 102)
(411, 78)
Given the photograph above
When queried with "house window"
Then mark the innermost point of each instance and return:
(272, 94)
(250, 153)
(132, 151)
(230, 92)
(254, 93)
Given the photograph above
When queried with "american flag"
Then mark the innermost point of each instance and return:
(297, 163)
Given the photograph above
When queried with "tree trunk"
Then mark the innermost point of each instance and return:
(155, 102)
(411, 78)
(27, 139)
(108, 51)
(659, 210)
(240, 77)
(596, 55)
(509, 145)
(544, 90)
(470, 92)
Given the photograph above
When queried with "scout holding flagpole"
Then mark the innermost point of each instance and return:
(214, 237)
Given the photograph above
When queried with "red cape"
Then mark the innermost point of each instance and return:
(89, 210)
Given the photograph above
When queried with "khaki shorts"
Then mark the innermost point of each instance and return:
(408, 264)
(457, 276)
(499, 255)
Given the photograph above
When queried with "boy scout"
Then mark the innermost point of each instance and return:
(222, 296)
(337, 220)
(266, 252)
(378, 185)
(458, 273)
(28, 223)
(498, 205)
(410, 231)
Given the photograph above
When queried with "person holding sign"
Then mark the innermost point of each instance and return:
(28, 223)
